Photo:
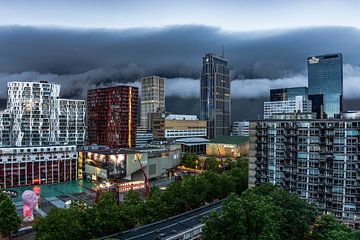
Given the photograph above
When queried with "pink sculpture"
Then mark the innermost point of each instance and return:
(29, 200)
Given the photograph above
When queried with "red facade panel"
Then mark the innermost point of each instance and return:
(112, 116)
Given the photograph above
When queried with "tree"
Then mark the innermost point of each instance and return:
(250, 217)
(9, 220)
(291, 217)
(212, 164)
(298, 215)
(327, 227)
(155, 208)
(62, 224)
(190, 160)
(106, 217)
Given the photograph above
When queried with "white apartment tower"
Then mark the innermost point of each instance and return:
(152, 98)
(35, 116)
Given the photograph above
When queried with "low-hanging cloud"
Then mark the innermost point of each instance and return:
(81, 59)
(73, 84)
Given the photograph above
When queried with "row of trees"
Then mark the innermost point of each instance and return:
(269, 212)
(108, 217)
(9, 221)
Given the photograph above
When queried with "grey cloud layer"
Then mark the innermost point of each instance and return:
(80, 59)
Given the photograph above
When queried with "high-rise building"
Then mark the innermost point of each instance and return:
(298, 105)
(35, 116)
(215, 100)
(112, 116)
(317, 159)
(39, 134)
(152, 98)
(285, 94)
(325, 76)
(240, 128)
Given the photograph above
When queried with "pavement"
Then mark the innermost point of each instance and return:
(171, 226)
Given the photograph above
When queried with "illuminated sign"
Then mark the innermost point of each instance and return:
(313, 60)
(134, 185)
(95, 171)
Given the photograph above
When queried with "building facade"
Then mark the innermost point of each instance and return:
(36, 116)
(285, 94)
(112, 116)
(122, 164)
(152, 98)
(325, 76)
(290, 106)
(215, 100)
(39, 133)
(143, 136)
(317, 159)
(240, 128)
(21, 166)
(177, 126)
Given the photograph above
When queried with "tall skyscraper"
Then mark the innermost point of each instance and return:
(112, 116)
(325, 76)
(36, 116)
(152, 98)
(317, 159)
(215, 100)
(39, 134)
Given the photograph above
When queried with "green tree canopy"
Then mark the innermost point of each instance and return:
(327, 227)
(62, 224)
(265, 212)
(9, 220)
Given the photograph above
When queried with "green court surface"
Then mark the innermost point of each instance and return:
(56, 189)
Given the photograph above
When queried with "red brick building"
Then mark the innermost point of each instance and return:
(112, 116)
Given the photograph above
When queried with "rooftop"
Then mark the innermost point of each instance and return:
(230, 140)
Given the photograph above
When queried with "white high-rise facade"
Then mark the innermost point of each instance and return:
(289, 106)
(35, 116)
(152, 98)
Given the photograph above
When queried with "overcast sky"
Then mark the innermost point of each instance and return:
(85, 44)
(232, 15)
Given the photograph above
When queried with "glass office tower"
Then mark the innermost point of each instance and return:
(215, 105)
(325, 76)
(285, 94)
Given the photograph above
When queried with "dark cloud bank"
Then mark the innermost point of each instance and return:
(80, 59)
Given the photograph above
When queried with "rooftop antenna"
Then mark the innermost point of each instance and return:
(222, 51)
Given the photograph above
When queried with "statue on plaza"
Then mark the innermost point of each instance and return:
(29, 200)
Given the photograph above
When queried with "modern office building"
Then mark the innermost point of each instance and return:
(317, 159)
(152, 98)
(143, 136)
(215, 100)
(325, 76)
(112, 116)
(240, 128)
(285, 94)
(36, 116)
(175, 126)
(290, 106)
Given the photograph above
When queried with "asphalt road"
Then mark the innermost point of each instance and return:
(170, 226)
